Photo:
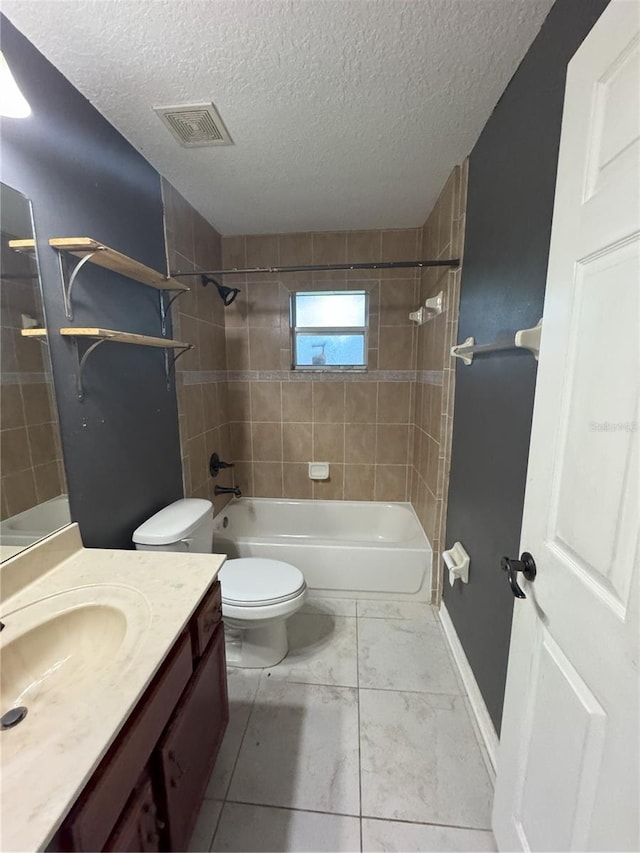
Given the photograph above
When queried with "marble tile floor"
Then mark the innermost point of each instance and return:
(360, 740)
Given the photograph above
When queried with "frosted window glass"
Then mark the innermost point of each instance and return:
(330, 309)
(330, 350)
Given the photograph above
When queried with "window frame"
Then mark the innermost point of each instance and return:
(329, 331)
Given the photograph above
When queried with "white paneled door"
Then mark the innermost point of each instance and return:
(569, 753)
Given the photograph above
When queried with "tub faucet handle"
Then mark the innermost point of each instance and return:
(216, 465)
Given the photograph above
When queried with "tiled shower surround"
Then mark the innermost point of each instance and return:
(198, 318)
(386, 433)
(433, 394)
(31, 453)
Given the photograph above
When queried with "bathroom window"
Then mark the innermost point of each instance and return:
(329, 330)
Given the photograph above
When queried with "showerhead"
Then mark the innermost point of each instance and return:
(227, 294)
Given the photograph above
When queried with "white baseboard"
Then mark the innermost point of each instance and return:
(481, 714)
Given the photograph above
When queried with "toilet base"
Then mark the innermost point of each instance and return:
(254, 648)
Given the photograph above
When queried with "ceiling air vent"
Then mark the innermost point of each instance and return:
(195, 125)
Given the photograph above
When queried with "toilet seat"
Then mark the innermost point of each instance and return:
(256, 582)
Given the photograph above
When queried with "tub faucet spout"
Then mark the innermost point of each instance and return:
(227, 490)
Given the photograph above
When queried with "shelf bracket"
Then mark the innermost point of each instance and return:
(81, 363)
(170, 362)
(69, 280)
(164, 309)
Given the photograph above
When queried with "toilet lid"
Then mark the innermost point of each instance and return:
(252, 581)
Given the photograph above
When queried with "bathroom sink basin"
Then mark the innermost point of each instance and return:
(60, 651)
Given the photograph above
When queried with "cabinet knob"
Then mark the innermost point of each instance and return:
(174, 761)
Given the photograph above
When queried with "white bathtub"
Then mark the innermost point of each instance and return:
(34, 524)
(354, 548)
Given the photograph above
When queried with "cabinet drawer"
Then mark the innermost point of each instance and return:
(137, 829)
(95, 814)
(190, 745)
(206, 620)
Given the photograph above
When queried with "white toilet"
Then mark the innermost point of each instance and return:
(258, 595)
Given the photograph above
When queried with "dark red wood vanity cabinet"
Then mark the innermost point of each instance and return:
(138, 828)
(190, 744)
(146, 793)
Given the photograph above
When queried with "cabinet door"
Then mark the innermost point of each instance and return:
(189, 747)
(137, 829)
(100, 805)
(206, 620)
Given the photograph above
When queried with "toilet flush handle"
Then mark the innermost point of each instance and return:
(187, 542)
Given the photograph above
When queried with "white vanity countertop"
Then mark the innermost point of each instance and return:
(41, 777)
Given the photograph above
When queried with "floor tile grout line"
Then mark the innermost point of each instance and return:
(431, 621)
(213, 835)
(366, 687)
(425, 823)
(358, 817)
(359, 737)
(244, 733)
(292, 809)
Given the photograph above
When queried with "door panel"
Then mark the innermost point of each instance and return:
(570, 723)
(614, 121)
(594, 494)
(568, 770)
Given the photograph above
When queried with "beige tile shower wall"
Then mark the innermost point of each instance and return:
(198, 318)
(30, 449)
(31, 463)
(282, 419)
(433, 392)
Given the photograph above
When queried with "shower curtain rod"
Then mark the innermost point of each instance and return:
(378, 265)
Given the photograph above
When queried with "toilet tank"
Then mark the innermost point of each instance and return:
(186, 525)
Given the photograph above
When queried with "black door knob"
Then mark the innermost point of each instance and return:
(526, 564)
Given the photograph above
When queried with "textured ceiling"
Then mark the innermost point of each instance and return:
(344, 113)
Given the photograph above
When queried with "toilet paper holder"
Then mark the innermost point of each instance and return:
(457, 562)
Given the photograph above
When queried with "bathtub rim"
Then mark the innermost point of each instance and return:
(10, 535)
(425, 595)
(407, 505)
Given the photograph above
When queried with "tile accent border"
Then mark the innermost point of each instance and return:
(203, 377)
(206, 377)
(26, 378)
(480, 712)
(430, 377)
(321, 376)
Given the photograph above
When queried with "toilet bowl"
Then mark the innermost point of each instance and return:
(258, 596)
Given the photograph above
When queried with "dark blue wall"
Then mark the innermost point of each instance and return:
(121, 445)
(512, 173)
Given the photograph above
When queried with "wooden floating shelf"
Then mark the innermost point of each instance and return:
(105, 257)
(99, 336)
(111, 335)
(25, 247)
(124, 338)
(115, 261)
